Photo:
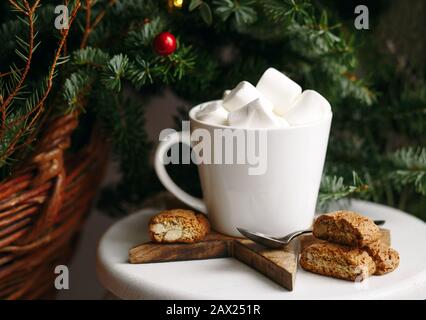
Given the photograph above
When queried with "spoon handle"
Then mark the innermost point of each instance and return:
(293, 235)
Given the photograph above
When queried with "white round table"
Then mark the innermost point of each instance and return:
(228, 278)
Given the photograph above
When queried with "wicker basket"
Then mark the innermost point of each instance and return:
(42, 208)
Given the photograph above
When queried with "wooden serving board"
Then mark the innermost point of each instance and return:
(280, 265)
(214, 245)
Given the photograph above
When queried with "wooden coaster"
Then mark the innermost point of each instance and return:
(280, 265)
(214, 245)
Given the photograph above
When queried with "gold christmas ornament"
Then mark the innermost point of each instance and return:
(175, 4)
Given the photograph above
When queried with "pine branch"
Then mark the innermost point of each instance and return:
(76, 89)
(124, 121)
(142, 72)
(333, 189)
(142, 37)
(410, 168)
(19, 6)
(115, 71)
(55, 63)
(286, 11)
(241, 11)
(176, 65)
(90, 57)
(89, 25)
(34, 107)
(30, 14)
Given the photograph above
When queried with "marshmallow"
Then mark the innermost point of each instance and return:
(309, 107)
(225, 93)
(255, 114)
(279, 89)
(213, 113)
(242, 94)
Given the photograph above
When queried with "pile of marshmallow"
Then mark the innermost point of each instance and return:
(275, 102)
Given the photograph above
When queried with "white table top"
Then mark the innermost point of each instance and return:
(228, 278)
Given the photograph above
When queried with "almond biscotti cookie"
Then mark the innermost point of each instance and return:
(385, 258)
(347, 228)
(337, 261)
(178, 225)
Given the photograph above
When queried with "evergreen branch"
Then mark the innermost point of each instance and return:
(35, 111)
(102, 14)
(54, 64)
(76, 88)
(65, 50)
(89, 25)
(242, 11)
(333, 188)
(30, 15)
(168, 69)
(5, 74)
(124, 120)
(90, 57)
(116, 70)
(86, 33)
(141, 72)
(143, 37)
(17, 7)
(286, 10)
(182, 61)
(410, 168)
(8, 137)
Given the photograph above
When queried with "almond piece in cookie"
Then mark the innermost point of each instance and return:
(178, 225)
(347, 228)
(385, 258)
(337, 261)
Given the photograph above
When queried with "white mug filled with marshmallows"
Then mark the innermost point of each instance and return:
(283, 197)
(275, 102)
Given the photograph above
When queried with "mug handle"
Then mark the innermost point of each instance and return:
(164, 177)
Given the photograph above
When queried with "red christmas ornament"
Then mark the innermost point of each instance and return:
(164, 44)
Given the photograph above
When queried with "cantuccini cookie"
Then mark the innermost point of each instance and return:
(346, 228)
(385, 258)
(178, 225)
(337, 261)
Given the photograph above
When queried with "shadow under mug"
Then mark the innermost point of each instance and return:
(277, 202)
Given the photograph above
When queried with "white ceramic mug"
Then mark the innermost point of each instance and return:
(280, 201)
